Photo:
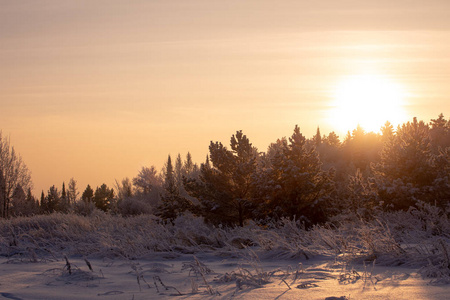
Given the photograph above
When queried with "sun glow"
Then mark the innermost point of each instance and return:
(367, 100)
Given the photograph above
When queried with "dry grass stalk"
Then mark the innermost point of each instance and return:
(68, 266)
(166, 287)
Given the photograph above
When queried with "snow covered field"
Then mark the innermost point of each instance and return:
(165, 276)
(110, 257)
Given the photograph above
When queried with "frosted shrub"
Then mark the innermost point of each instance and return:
(291, 238)
(46, 234)
(192, 231)
(419, 237)
(132, 207)
(433, 219)
(84, 208)
(377, 240)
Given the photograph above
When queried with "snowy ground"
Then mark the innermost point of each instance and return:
(210, 276)
(42, 257)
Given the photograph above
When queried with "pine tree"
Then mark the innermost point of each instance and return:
(360, 150)
(103, 197)
(64, 202)
(88, 195)
(387, 132)
(190, 169)
(169, 181)
(32, 203)
(332, 139)
(405, 171)
(361, 197)
(52, 200)
(439, 134)
(225, 183)
(173, 203)
(63, 191)
(317, 138)
(18, 202)
(178, 173)
(43, 203)
(296, 186)
(23, 204)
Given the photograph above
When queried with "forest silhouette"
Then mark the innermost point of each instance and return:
(309, 180)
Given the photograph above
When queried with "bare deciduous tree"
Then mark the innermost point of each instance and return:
(72, 193)
(14, 173)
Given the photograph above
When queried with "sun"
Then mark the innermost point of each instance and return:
(367, 100)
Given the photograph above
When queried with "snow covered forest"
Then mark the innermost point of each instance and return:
(370, 197)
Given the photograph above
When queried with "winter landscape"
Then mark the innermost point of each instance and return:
(229, 228)
(202, 149)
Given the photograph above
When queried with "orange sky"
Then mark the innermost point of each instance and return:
(97, 89)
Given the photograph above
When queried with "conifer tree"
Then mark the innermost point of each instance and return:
(360, 149)
(18, 202)
(332, 139)
(387, 132)
(330, 151)
(296, 185)
(64, 202)
(439, 134)
(406, 171)
(52, 200)
(103, 197)
(88, 194)
(63, 191)
(226, 181)
(361, 197)
(173, 203)
(178, 173)
(169, 182)
(33, 203)
(189, 167)
(317, 138)
(43, 203)
(23, 204)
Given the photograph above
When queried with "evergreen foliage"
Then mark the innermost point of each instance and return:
(52, 200)
(173, 203)
(440, 133)
(88, 194)
(64, 201)
(23, 204)
(224, 188)
(103, 197)
(295, 184)
(307, 180)
(406, 172)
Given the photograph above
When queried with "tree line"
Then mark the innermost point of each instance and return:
(310, 180)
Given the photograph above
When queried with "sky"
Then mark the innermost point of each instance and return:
(95, 90)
